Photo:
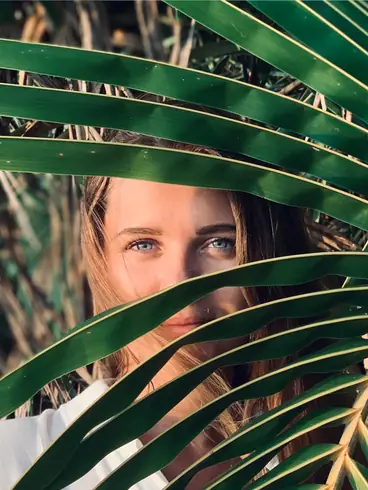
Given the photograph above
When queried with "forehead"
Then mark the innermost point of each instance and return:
(137, 203)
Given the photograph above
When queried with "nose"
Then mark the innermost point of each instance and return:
(178, 267)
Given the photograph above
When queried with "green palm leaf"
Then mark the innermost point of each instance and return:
(298, 467)
(177, 124)
(187, 85)
(263, 429)
(111, 436)
(103, 334)
(358, 474)
(314, 31)
(337, 70)
(153, 456)
(353, 14)
(149, 163)
(342, 22)
(245, 470)
(259, 39)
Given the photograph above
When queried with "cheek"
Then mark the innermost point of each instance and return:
(130, 280)
(225, 301)
(216, 263)
(228, 300)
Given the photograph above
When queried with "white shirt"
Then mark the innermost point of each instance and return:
(22, 440)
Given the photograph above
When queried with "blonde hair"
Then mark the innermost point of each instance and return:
(263, 230)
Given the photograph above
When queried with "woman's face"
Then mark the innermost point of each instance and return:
(161, 234)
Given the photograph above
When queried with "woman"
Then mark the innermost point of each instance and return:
(141, 237)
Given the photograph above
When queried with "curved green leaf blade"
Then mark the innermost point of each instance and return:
(362, 5)
(270, 45)
(247, 469)
(178, 167)
(275, 346)
(161, 450)
(92, 341)
(325, 329)
(357, 474)
(348, 438)
(349, 11)
(298, 467)
(177, 124)
(203, 333)
(80, 348)
(352, 30)
(363, 437)
(187, 85)
(311, 29)
(125, 392)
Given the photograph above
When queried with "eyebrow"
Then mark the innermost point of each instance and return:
(204, 230)
(216, 228)
(138, 231)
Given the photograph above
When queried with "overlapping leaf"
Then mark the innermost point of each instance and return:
(272, 46)
(248, 468)
(178, 167)
(177, 124)
(93, 340)
(153, 456)
(187, 85)
(118, 397)
(315, 32)
(337, 77)
(328, 11)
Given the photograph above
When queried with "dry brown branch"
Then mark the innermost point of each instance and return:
(289, 88)
(329, 239)
(85, 26)
(94, 134)
(154, 29)
(24, 410)
(176, 28)
(145, 35)
(348, 115)
(187, 48)
(319, 100)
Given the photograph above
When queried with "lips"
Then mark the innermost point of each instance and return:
(178, 326)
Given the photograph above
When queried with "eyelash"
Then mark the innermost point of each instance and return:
(225, 239)
(139, 242)
(230, 241)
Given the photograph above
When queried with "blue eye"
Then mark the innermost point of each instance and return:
(222, 243)
(142, 246)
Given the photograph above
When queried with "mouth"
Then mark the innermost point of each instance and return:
(178, 327)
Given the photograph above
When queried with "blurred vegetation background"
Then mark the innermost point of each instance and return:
(43, 288)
